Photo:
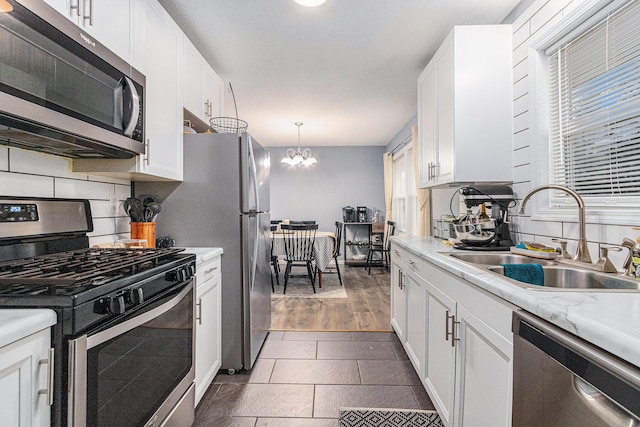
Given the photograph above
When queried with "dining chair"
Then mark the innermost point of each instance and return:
(382, 248)
(298, 247)
(336, 248)
(302, 222)
(274, 259)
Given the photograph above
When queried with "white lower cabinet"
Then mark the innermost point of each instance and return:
(416, 321)
(441, 350)
(485, 376)
(458, 338)
(398, 300)
(208, 357)
(24, 366)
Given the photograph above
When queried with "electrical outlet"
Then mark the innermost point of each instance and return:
(114, 204)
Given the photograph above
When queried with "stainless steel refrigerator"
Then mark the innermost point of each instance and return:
(223, 201)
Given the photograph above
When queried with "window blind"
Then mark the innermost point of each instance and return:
(594, 83)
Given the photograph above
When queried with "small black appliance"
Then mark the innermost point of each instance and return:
(348, 214)
(363, 214)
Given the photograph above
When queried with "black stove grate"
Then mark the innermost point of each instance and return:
(68, 273)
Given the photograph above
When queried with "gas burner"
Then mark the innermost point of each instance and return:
(67, 273)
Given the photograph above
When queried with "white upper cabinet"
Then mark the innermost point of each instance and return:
(465, 108)
(158, 45)
(203, 89)
(109, 22)
(160, 59)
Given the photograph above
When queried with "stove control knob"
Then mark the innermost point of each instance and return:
(117, 305)
(110, 305)
(135, 296)
(192, 270)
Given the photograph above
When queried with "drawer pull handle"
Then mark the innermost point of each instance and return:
(211, 270)
(199, 314)
(50, 371)
(411, 262)
(450, 332)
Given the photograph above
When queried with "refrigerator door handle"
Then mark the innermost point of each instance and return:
(254, 262)
(254, 176)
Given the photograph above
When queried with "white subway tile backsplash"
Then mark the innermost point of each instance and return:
(522, 173)
(521, 88)
(548, 12)
(522, 157)
(538, 228)
(123, 226)
(17, 184)
(31, 174)
(521, 105)
(521, 139)
(83, 189)
(31, 162)
(103, 227)
(521, 122)
(525, 17)
(520, 54)
(108, 179)
(521, 70)
(521, 34)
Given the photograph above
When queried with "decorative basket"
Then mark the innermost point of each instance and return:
(228, 125)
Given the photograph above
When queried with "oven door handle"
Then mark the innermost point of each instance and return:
(77, 391)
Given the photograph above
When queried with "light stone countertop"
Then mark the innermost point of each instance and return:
(18, 323)
(610, 320)
(204, 254)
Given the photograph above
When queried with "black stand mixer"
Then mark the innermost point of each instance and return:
(489, 233)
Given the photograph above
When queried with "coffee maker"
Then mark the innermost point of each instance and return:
(348, 214)
(488, 233)
(363, 214)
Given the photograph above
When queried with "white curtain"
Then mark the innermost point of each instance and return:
(387, 159)
(424, 194)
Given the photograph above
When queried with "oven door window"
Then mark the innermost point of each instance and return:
(129, 376)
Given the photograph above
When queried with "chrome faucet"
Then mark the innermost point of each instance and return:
(582, 254)
(628, 263)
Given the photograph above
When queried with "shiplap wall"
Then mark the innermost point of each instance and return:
(30, 174)
(540, 17)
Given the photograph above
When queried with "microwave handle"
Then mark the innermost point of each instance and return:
(130, 95)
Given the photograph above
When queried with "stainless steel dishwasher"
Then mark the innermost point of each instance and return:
(561, 380)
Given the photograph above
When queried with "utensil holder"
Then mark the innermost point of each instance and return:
(144, 230)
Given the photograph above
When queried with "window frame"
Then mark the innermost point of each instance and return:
(544, 206)
(409, 224)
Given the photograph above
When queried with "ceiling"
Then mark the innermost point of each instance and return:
(347, 69)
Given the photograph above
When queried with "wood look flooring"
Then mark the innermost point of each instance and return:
(367, 307)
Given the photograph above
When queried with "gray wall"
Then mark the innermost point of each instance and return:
(343, 176)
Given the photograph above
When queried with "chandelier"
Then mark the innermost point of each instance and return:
(299, 157)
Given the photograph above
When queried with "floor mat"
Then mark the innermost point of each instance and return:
(364, 417)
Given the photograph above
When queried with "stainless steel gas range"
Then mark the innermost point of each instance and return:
(124, 341)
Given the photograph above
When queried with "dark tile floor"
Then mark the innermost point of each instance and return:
(302, 378)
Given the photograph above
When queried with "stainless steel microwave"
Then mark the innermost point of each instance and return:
(61, 91)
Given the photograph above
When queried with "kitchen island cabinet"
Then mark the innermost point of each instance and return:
(25, 359)
(459, 342)
(465, 108)
(208, 354)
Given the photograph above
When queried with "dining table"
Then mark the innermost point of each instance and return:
(323, 248)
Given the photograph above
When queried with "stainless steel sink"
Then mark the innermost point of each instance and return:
(492, 258)
(557, 276)
(570, 278)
